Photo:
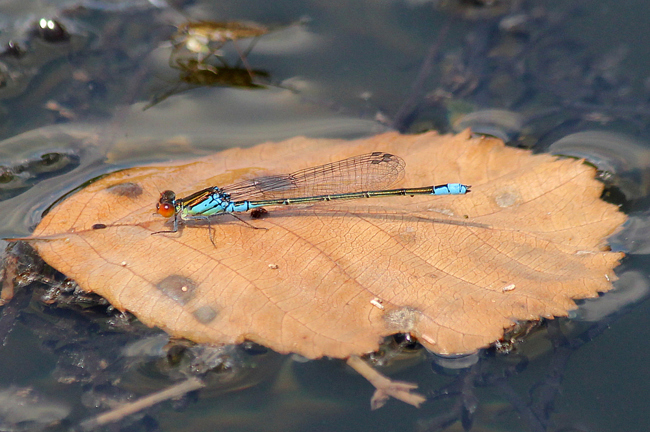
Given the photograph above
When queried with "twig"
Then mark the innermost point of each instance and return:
(385, 386)
(119, 413)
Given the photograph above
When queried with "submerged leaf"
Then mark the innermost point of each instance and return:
(334, 278)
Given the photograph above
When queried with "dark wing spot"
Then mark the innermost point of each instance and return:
(99, 226)
(205, 314)
(128, 189)
(177, 287)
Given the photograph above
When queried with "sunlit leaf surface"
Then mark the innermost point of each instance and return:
(334, 278)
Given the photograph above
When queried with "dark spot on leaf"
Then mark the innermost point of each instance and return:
(403, 319)
(128, 189)
(178, 288)
(99, 226)
(205, 314)
(259, 213)
(508, 198)
(408, 236)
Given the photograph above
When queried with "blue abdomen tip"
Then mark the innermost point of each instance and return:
(457, 188)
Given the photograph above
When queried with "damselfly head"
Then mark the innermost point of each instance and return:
(166, 206)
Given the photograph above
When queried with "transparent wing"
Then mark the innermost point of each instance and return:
(372, 171)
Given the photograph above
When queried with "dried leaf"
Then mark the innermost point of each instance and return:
(453, 271)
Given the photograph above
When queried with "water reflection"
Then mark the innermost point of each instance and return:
(193, 74)
(622, 161)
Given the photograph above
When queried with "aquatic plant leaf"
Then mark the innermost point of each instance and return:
(332, 279)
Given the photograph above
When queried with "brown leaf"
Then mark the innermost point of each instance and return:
(334, 278)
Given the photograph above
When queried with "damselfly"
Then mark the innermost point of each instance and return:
(364, 176)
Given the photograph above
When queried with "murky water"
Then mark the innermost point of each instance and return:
(86, 88)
